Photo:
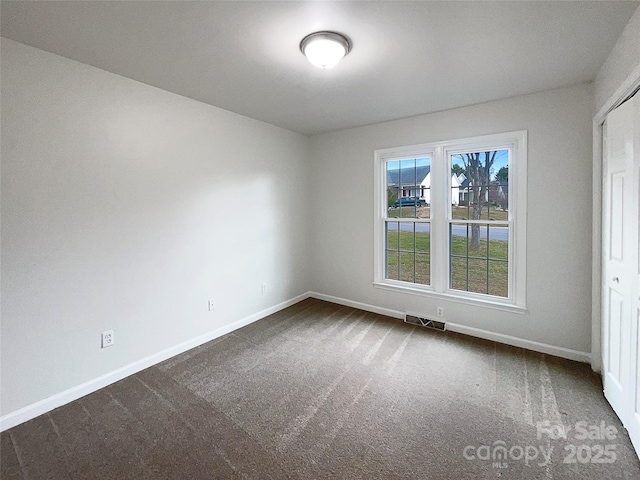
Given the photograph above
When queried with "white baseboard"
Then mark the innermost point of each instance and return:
(361, 306)
(43, 406)
(562, 352)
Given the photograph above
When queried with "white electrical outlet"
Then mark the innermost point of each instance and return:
(107, 339)
(440, 311)
(264, 288)
(212, 305)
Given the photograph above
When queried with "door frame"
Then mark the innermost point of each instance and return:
(623, 92)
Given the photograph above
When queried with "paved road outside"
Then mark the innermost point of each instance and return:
(495, 233)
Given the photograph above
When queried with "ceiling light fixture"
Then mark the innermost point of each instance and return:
(325, 49)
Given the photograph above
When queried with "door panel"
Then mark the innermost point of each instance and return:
(636, 337)
(633, 426)
(621, 264)
(617, 255)
(616, 226)
(616, 314)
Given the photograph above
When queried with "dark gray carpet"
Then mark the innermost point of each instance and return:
(319, 391)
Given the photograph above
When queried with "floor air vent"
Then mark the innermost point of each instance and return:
(424, 322)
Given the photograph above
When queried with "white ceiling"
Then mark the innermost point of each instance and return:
(408, 58)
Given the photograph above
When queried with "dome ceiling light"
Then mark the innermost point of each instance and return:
(325, 49)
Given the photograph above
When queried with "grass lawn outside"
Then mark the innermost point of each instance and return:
(470, 269)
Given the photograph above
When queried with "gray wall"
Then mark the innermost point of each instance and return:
(558, 221)
(126, 207)
(623, 60)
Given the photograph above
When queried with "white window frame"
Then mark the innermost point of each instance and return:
(440, 170)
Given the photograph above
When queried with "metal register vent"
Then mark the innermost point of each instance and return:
(424, 322)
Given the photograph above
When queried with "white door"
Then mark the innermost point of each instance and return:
(621, 265)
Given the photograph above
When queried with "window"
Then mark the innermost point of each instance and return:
(450, 219)
(407, 224)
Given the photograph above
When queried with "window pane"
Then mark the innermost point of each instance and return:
(498, 278)
(423, 237)
(458, 238)
(423, 269)
(407, 241)
(482, 180)
(475, 263)
(408, 188)
(393, 174)
(407, 267)
(473, 237)
(460, 183)
(392, 264)
(458, 280)
(501, 178)
(412, 236)
(407, 202)
(407, 210)
(392, 236)
(470, 239)
(499, 242)
(422, 191)
(477, 275)
(403, 240)
(392, 246)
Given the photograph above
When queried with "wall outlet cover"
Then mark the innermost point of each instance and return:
(107, 338)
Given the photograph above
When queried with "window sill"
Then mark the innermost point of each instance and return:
(496, 305)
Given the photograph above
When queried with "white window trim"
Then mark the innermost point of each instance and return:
(440, 192)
